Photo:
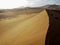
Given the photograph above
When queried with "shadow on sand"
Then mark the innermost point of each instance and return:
(53, 34)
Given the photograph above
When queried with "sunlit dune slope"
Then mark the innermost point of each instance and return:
(24, 29)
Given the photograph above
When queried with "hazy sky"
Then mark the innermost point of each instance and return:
(19, 3)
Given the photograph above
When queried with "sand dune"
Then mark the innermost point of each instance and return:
(24, 29)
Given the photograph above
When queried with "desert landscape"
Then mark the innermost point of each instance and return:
(30, 26)
(24, 29)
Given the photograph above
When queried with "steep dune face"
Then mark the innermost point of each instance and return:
(24, 29)
(53, 34)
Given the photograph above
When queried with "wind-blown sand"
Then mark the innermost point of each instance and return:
(24, 29)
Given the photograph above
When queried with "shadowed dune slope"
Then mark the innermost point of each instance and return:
(53, 34)
(24, 29)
